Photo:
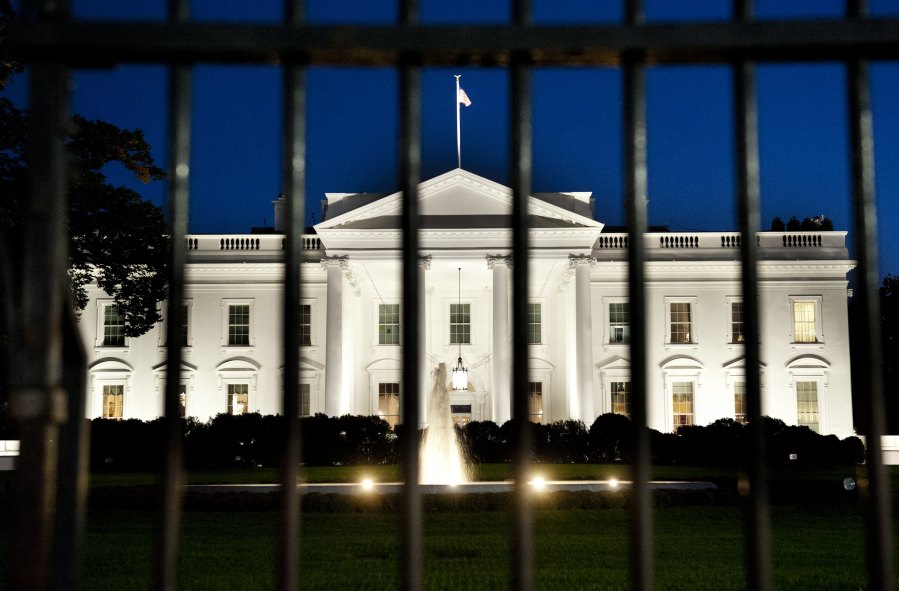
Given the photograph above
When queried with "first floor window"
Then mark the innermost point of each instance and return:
(182, 400)
(740, 402)
(804, 321)
(535, 401)
(305, 400)
(388, 324)
(621, 398)
(535, 324)
(306, 325)
(619, 322)
(113, 398)
(807, 404)
(460, 324)
(238, 399)
(239, 325)
(736, 322)
(389, 402)
(681, 322)
(682, 403)
(113, 327)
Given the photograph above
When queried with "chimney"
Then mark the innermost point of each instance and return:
(279, 204)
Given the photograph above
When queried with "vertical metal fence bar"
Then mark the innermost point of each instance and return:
(757, 529)
(37, 398)
(878, 512)
(411, 536)
(635, 187)
(178, 199)
(520, 127)
(293, 180)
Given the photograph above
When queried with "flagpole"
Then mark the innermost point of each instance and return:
(458, 127)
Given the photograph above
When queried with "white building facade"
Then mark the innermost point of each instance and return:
(578, 327)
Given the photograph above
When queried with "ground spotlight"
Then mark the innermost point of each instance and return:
(613, 483)
(367, 484)
(538, 483)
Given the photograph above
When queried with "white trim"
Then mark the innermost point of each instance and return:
(472, 322)
(226, 304)
(237, 371)
(605, 322)
(818, 300)
(376, 314)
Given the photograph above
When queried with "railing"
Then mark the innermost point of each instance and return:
(54, 45)
(262, 243)
(729, 240)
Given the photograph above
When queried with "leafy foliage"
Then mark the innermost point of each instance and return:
(117, 238)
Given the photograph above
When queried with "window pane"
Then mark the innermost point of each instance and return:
(681, 322)
(807, 404)
(238, 399)
(305, 400)
(535, 401)
(389, 402)
(239, 325)
(736, 322)
(534, 324)
(682, 403)
(306, 325)
(804, 322)
(113, 327)
(460, 324)
(113, 398)
(740, 402)
(619, 322)
(621, 398)
(388, 324)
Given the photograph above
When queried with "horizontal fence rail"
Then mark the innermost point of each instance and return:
(57, 45)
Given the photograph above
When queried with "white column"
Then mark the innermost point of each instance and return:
(584, 336)
(421, 332)
(501, 382)
(334, 337)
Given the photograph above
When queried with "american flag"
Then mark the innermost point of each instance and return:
(463, 98)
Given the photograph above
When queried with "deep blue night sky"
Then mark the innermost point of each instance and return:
(352, 126)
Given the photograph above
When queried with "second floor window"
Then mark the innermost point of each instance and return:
(113, 327)
(619, 322)
(460, 324)
(804, 322)
(239, 325)
(388, 324)
(535, 324)
(736, 322)
(306, 325)
(681, 322)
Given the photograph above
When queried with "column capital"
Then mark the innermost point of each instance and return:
(425, 262)
(498, 259)
(340, 261)
(580, 259)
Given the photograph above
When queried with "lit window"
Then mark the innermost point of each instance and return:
(460, 324)
(305, 400)
(238, 399)
(182, 401)
(113, 327)
(535, 324)
(682, 399)
(805, 321)
(681, 320)
(807, 404)
(113, 398)
(535, 402)
(736, 322)
(388, 324)
(306, 325)
(239, 325)
(619, 322)
(621, 398)
(740, 402)
(389, 402)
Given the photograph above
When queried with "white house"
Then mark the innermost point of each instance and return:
(578, 317)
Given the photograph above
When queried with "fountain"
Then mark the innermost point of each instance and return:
(441, 455)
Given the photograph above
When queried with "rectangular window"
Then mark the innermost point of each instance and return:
(621, 398)
(804, 321)
(736, 322)
(113, 327)
(238, 399)
(389, 402)
(681, 322)
(305, 400)
(740, 402)
(619, 322)
(460, 324)
(535, 402)
(807, 404)
(388, 324)
(535, 324)
(239, 325)
(682, 403)
(113, 398)
(306, 325)
(182, 401)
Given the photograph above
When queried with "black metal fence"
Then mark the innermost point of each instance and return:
(48, 395)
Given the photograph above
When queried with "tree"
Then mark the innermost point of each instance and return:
(117, 239)
(777, 225)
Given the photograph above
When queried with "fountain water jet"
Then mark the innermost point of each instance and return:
(441, 455)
